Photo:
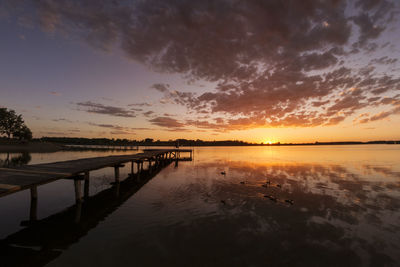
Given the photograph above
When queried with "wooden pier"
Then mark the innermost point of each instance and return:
(101, 147)
(31, 176)
(55, 233)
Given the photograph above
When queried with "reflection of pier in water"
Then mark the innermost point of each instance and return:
(43, 240)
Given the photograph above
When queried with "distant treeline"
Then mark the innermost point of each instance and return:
(144, 142)
(185, 142)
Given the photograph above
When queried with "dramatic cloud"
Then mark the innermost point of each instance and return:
(107, 110)
(167, 122)
(274, 63)
(383, 114)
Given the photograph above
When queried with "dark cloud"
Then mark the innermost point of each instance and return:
(320, 103)
(395, 110)
(118, 132)
(106, 125)
(116, 128)
(384, 60)
(140, 104)
(141, 128)
(368, 30)
(167, 122)
(53, 133)
(98, 108)
(55, 93)
(62, 120)
(148, 113)
(274, 63)
(161, 87)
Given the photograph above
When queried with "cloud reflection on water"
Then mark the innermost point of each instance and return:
(345, 211)
(340, 215)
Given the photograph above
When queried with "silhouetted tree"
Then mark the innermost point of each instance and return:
(23, 133)
(12, 124)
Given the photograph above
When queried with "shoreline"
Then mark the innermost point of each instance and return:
(46, 147)
(39, 147)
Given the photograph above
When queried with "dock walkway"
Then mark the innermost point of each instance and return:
(57, 232)
(30, 176)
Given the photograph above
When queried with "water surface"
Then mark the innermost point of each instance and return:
(276, 206)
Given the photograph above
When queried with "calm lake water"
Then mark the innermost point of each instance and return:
(275, 206)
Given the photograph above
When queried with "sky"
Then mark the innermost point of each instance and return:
(257, 71)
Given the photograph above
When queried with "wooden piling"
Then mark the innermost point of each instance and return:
(86, 185)
(78, 193)
(117, 189)
(78, 212)
(34, 201)
(116, 174)
(34, 194)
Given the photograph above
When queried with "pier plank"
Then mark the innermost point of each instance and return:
(16, 179)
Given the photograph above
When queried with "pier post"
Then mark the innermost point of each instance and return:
(150, 165)
(34, 200)
(86, 185)
(116, 173)
(78, 193)
(138, 170)
(117, 187)
(78, 212)
(137, 167)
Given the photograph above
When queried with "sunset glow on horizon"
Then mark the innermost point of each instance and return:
(258, 71)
